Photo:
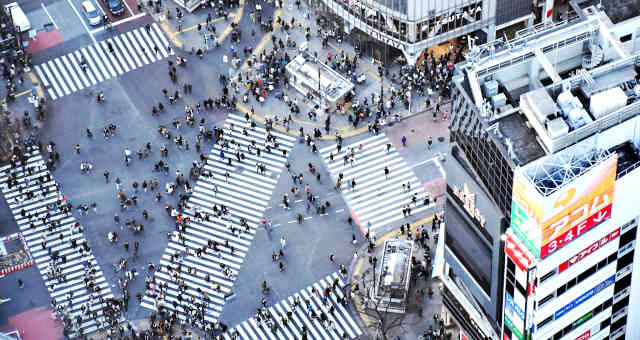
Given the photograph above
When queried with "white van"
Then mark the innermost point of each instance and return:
(19, 18)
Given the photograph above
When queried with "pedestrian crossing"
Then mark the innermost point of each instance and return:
(305, 315)
(196, 284)
(64, 75)
(376, 201)
(56, 241)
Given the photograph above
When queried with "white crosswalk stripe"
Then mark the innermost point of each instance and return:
(377, 201)
(307, 311)
(203, 259)
(63, 75)
(50, 232)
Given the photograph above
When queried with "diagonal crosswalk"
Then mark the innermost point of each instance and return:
(69, 270)
(305, 315)
(64, 75)
(199, 266)
(377, 201)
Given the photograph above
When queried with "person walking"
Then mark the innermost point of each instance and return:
(283, 242)
(106, 176)
(386, 172)
(20, 283)
(332, 258)
(404, 141)
(429, 142)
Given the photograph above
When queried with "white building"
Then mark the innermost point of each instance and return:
(545, 134)
(414, 25)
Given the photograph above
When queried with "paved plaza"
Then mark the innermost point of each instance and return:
(152, 197)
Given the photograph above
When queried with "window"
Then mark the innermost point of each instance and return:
(627, 237)
(572, 283)
(586, 273)
(545, 299)
(625, 38)
(545, 321)
(620, 304)
(561, 290)
(602, 264)
(625, 260)
(548, 276)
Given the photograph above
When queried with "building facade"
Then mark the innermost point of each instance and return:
(411, 26)
(545, 140)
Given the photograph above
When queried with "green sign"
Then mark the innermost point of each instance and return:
(513, 329)
(519, 217)
(582, 319)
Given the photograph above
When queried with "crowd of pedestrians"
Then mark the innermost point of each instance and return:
(171, 188)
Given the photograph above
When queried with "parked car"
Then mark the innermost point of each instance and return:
(115, 7)
(19, 18)
(92, 13)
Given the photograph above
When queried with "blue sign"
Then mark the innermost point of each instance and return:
(513, 307)
(584, 297)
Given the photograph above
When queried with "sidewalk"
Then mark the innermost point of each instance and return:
(420, 309)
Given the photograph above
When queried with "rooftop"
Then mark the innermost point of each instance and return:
(555, 86)
(311, 73)
(617, 10)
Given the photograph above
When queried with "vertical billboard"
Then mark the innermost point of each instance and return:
(547, 223)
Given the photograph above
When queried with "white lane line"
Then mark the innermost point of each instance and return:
(54, 83)
(113, 60)
(58, 77)
(444, 174)
(124, 52)
(71, 70)
(52, 94)
(79, 69)
(148, 50)
(89, 73)
(96, 59)
(157, 42)
(44, 80)
(82, 21)
(49, 15)
(130, 49)
(120, 58)
(137, 47)
(117, 23)
(102, 53)
(129, 8)
(339, 210)
(158, 31)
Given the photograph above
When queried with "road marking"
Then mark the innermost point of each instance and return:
(82, 21)
(117, 23)
(236, 20)
(49, 15)
(264, 41)
(129, 8)
(203, 24)
(444, 174)
(78, 70)
(339, 210)
(23, 93)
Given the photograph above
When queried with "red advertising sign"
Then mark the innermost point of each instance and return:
(588, 250)
(586, 335)
(575, 231)
(516, 254)
(545, 223)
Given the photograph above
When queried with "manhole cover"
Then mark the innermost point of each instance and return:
(413, 130)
